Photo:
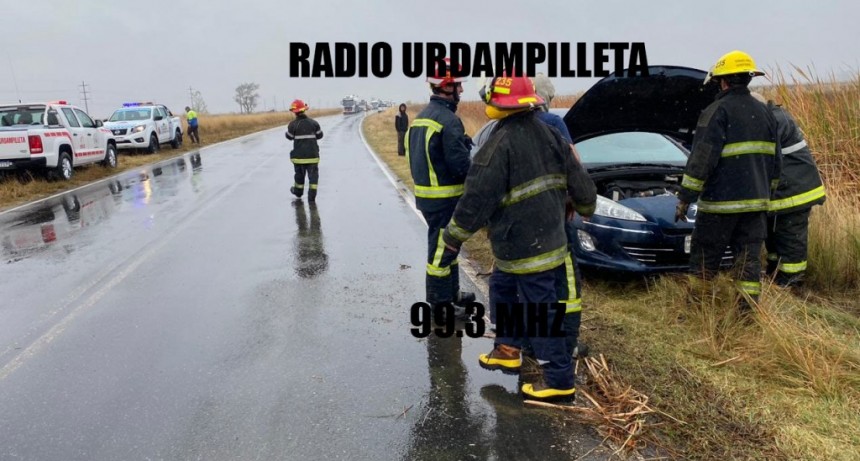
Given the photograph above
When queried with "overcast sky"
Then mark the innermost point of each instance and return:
(156, 50)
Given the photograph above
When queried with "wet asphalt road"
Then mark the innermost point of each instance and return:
(193, 310)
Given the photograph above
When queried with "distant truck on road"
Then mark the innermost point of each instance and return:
(53, 136)
(350, 105)
(144, 125)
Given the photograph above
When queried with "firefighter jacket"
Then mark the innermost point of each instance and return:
(437, 150)
(735, 159)
(800, 185)
(304, 132)
(517, 186)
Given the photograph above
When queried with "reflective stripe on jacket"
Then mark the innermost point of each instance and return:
(304, 132)
(800, 186)
(517, 186)
(438, 155)
(735, 160)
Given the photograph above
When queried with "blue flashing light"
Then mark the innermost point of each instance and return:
(137, 104)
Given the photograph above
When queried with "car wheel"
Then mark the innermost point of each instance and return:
(110, 157)
(64, 169)
(153, 144)
(177, 140)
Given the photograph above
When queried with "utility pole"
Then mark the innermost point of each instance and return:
(86, 99)
(191, 96)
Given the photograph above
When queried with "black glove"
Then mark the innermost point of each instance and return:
(681, 211)
(449, 255)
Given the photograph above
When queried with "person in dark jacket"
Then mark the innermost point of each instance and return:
(517, 187)
(401, 124)
(304, 132)
(437, 150)
(732, 169)
(800, 188)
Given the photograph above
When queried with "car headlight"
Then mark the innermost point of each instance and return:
(610, 209)
(138, 128)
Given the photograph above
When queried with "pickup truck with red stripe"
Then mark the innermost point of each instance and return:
(54, 137)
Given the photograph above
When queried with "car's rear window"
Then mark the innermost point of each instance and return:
(22, 115)
(630, 147)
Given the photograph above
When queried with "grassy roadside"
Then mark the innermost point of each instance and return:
(16, 189)
(784, 384)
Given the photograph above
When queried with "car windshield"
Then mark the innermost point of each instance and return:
(126, 115)
(630, 147)
(22, 115)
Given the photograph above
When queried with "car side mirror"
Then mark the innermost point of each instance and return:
(99, 123)
(158, 117)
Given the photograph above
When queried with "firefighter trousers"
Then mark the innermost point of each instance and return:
(572, 291)
(543, 287)
(443, 272)
(744, 233)
(312, 171)
(787, 239)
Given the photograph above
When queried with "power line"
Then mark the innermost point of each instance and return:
(86, 99)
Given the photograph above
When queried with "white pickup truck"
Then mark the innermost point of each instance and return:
(145, 126)
(52, 136)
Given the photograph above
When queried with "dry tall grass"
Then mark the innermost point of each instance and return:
(16, 189)
(828, 112)
(788, 363)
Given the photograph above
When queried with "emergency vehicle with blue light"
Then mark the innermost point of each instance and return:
(52, 136)
(145, 125)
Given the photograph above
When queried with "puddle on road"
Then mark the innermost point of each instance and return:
(67, 219)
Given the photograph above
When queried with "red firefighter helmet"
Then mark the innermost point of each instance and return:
(441, 79)
(298, 106)
(515, 92)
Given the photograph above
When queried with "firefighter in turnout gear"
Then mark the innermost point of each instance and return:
(733, 167)
(517, 186)
(800, 188)
(304, 132)
(437, 150)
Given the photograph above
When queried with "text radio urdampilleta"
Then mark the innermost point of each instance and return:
(563, 59)
(514, 320)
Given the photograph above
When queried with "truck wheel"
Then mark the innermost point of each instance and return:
(110, 157)
(153, 144)
(177, 140)
(63, 170)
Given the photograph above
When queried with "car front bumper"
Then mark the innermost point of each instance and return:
(632, 246)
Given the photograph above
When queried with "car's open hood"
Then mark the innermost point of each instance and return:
(669, 100)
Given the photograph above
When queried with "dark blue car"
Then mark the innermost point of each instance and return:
(633, 135)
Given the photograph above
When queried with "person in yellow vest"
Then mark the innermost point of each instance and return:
(192, 125)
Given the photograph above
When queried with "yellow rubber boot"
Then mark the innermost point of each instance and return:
(540, 391)
(505, 358)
